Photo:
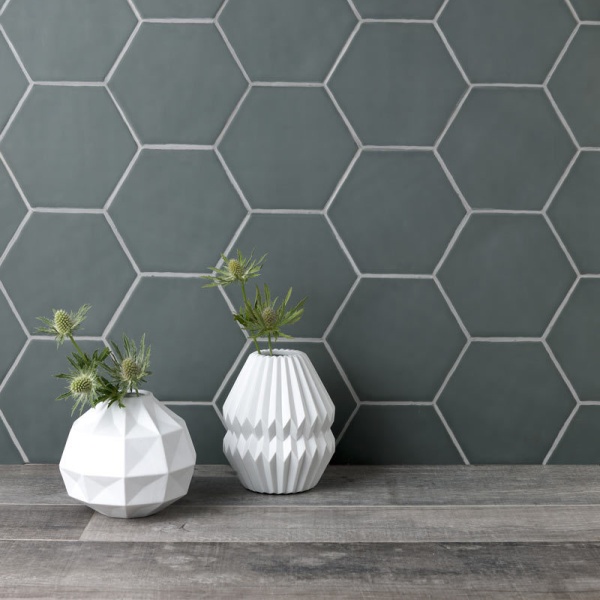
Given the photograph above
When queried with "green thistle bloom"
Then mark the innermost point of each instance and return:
(130, 370)
(236, 270)
(83, 387)
(130, 366)
(269, 317)
(63, 324)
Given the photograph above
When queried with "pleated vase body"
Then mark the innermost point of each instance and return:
(278, 417)
(128, 462)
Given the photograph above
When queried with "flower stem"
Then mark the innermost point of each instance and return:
(256, 344)
(75, 344)
(270, 347)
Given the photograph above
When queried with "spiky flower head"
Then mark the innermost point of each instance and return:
(236, 270)
(130, 370)
(269, 317)
(63, 324)
(82, 384)
(83, 387)
(132, 364)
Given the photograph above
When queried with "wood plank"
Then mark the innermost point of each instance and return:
(354, 524)
(74, 570)
(354, 486)
(43, 522)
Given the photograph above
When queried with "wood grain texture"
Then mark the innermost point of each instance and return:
(354, 486)
(78, 570)
(43, 522)
(355, 524)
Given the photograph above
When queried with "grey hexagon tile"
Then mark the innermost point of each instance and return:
(9, 455)
(188, 104)
(392, 9)
(396, 339)
(64, 261)
(303, 253)
(13, 337)
(397, 84)
(68, 147)
(31, 392)
(396, 435)
(587, 10)
(206, 430)
(327, 370)
(507, 149)
(506, 403)
(405, 202)
(12, 208)
(14, 83)
(575, 85)
(575, 339)
(507, 42)
(580, 443)
(188, 232)
(178, 9)
(193, 336)
(62, 40)
(576, 214)
(286, 40)
(506, 275)
(288, 147)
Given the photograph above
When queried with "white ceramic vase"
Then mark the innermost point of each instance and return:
(128, 462)
(278, 417)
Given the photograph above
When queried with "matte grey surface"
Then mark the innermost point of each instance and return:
(68, 147)
(189, 209)
(328, 372)
(588, 10)
(8, 451)
(288, 147)
(13, 337)
(507, 149)
(575, 339)
(42, 272)
(575, 212)
(188, 104)
(43, 522)
(206, 430)
(178, 9)
(13, 80)
(576, 87)
(397, 101)
(392, 9)
(287, 40)
(193, 336)
(62, 40)
(408, 435)
(506, 403)
(12, 208)
(405, 202)
(28, 400)
(580, 444)
(303, 254)
(509, 41)
(506, 275)
(396, 339)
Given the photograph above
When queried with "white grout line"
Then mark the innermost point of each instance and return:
(3, 6)
(134, 9)
(16, 55)
(132, 132)
(233, 181)
(561, 180)
(560, 435)
(221, 9)
(451, 434)
(16, 111)
(373, 148)
(396, 276)
(452, 308)
(343, 374)
(232, 116)
(505, 211)
(342, 245)
(65, 210)
(590, 403)
(232, 52)
(287, 211)
(453, 116)
(177, 147)
(342, 180)
(506, 339)
(14, 438)
(121, 54)
(572, 10)
(342, 53)
(354, 10)
(451, 52)
(120, 308)
(69, 83)
(353, 133)
(180, 21)
(561, 118)
(14, 181)
(561, 244)
(560, 308)
(236, 363)
(452, 181)
(441, 10)
(341, 308)
(15, 237)
(14, 310)
(561, 372)
(530, 86)
(121, 241)
(229, 249)
(122, 179)
(171, 275)
(342, 432)
(589, 149)
(451, 244)
(301, 84)
(561, 55)
(451, 371)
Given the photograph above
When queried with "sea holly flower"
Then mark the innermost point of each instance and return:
(83, 387)
(130, 365)
(235, 270)
(63, 324)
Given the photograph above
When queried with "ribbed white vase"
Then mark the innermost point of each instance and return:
(128, 462)
(278, 417)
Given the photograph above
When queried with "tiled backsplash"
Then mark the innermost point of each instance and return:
(427, 172)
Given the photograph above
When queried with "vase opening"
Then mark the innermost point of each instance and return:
(138, 394)
(278, 353)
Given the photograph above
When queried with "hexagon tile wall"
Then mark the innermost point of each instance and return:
(427, 172)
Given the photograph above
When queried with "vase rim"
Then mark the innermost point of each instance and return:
(279, 353)
(138, 395)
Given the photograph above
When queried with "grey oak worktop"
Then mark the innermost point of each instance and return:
(364, 532)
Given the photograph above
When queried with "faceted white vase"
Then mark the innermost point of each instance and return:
(128, 462)
(278, 417)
